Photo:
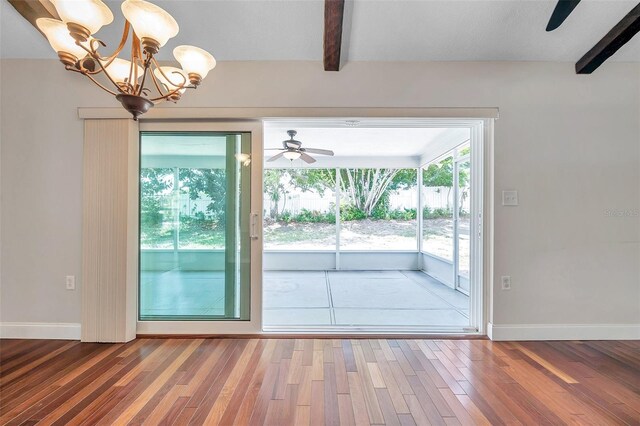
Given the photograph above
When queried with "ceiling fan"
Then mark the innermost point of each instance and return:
(292, 150)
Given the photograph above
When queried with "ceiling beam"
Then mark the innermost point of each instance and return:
(31, 10)
(333, 17)
(561, 12)
(610, 43)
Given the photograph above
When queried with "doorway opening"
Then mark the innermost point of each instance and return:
(383, 235)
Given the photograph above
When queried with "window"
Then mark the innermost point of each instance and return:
(463, 167)
(438, 201)
(157, 221)
(378, 209)
(299, 209)
(202, 206)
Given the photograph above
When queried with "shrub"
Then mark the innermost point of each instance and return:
(285, 217)
(308, 216)
(150, 212)
(351, 212)
(438, 213)
(381, 210)
(404, 214)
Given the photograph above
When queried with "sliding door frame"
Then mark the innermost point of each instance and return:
(250, 120)
(481, 239)
(231, 326)
(456, 216)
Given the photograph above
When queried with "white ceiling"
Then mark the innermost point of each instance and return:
(379, 30)
(356, 141)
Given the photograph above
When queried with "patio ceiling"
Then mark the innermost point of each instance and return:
(361, 141)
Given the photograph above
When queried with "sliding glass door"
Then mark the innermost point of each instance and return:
(447, 209)
(194, 226)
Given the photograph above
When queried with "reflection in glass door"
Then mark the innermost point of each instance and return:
(194, 226)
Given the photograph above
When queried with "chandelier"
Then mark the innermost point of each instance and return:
(140, 82)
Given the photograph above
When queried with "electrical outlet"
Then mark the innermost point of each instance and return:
(509, 198)
(506, 282)
(70, 282)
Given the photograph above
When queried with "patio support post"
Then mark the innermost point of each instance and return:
(420, 216)
(456, 218)
(231, 270)
(337, 189)
(176, 218)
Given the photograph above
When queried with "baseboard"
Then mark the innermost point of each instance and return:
(563, 332)
(39, 330)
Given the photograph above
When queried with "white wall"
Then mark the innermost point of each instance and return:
(569, 144)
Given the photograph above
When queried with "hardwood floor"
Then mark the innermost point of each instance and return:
(304, 381)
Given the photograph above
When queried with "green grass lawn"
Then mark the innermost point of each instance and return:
(208, 234)
(193, 235)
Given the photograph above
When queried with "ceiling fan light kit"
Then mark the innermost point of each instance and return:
(138, 83)
(291, 155)
(292, 150)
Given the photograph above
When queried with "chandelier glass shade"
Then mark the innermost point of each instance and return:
(138, 82)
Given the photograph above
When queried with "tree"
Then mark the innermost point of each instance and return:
(275, 188)
(153, 183)
(212, 183)
(441, 175)
(367, 188)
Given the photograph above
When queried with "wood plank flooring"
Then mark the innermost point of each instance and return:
(331, 381)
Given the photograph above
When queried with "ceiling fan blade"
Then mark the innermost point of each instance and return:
(307, 158)
(275, 157)
(561, 12)
(318, 151)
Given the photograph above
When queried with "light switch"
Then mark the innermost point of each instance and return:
(509, 198)
(70, 282)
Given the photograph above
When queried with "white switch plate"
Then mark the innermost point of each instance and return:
(506, 282)
(70, 282)
(509, 198)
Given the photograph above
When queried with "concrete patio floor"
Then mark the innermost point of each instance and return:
(360, 298)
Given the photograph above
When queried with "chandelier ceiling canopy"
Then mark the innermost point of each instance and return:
(138, 82)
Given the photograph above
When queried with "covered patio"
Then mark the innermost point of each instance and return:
(376, 236)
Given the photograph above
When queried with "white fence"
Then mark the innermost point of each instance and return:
(294, 203)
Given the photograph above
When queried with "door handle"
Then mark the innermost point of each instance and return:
(253, 226)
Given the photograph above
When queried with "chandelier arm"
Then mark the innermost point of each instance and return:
(104, 70)
(164, 97)
(107, 60)
(169, 92)
(184, 79)
(133, 71)
(123, 41)
(135, 56)
(147, 63)
(156, 101)
(168, 95)
(90, 77)
(155, 80)
(93, 53)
